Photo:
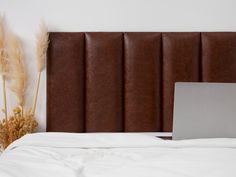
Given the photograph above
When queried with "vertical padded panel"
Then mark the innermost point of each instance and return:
(104, 55)
(65, 82)
(142, 81)
(181, 56)
(219, 57)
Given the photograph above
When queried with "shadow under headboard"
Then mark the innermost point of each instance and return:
(124, 82)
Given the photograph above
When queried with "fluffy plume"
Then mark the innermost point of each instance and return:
(41, 52)
(1, 32)
(41, 46)
(3, 62)
(3, 68)
(17, 71)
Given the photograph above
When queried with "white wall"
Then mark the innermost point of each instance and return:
(23, 16)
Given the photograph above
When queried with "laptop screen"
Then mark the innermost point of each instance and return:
(204, 110)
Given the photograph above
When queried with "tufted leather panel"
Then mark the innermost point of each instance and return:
(104, 55)
(65, 83)
(219, 57)
(142, 68)
(181, 57)
(125, 81)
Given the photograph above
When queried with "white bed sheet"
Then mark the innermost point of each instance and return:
(117, 155)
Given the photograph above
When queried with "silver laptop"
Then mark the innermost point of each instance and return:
(204, 110)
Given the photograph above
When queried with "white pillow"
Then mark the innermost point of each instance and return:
(87, 140)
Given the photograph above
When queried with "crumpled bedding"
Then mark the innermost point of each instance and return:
(116, 155)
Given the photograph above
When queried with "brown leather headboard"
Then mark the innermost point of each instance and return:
(115, 82)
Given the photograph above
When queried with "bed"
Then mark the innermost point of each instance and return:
(106, 155)
(106, 90)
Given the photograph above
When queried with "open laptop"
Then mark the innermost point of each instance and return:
(204, 110)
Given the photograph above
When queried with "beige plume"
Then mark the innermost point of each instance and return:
(41, 46)
(3, 60)
(42, 42)
(16, 66)
(3, 68)
(1, 32)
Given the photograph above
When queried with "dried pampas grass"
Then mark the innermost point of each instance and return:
(41, 46)
(3, 67)
(3, 59)
(1, 32)
(17, 71)
(42, 42)
(12, 69)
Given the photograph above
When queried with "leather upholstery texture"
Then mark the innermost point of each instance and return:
(104, 57)
(181, 57)
(124, 81)
(65, 83)
(219, 57)
(142, 81)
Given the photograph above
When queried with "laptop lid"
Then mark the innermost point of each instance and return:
(204, 110)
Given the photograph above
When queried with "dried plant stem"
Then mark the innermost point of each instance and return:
(3, 68)
(36, 93)
(41, 53)
(5, 106)
(22, 111)
(4, 96)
